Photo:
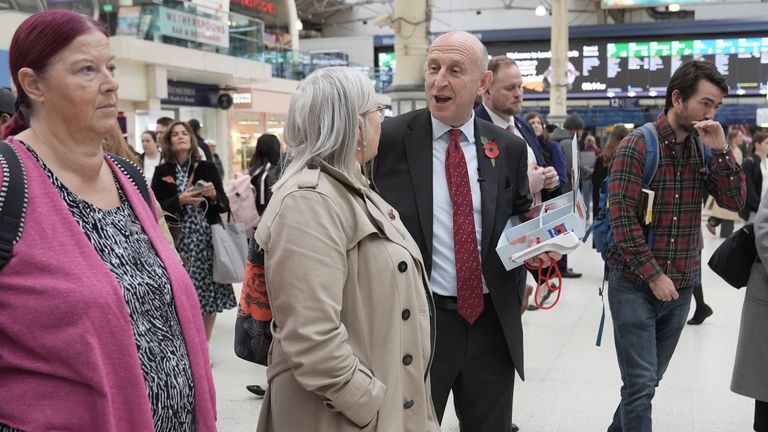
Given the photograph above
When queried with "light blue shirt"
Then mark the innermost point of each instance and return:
(443, 278)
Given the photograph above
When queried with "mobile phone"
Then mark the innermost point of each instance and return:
(200, 184)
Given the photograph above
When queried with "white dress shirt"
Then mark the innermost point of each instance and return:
(443, 278)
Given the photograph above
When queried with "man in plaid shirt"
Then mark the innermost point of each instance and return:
(650, 284)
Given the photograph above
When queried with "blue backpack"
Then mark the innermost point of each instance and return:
(601, 226)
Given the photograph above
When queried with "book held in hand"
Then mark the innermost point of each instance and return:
(644, 209)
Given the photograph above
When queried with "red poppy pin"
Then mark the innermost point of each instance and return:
(491, 149)
(171, 180)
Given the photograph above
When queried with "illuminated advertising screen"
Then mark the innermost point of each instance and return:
(634, 68)
(608, 4)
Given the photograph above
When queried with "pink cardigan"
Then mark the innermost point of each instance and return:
(68, 359)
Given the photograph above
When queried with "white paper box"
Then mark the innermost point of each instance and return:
(556, 217)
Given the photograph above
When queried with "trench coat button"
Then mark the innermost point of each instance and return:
(403, 266)
(407, 359)
(329, 405)
(408, 404)
(406, 314)
(391, 214)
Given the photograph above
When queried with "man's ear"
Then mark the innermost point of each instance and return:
(677, 98)
(485, 82)
(30, 83)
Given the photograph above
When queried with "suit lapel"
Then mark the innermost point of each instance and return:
(490, 184)
(418, 151)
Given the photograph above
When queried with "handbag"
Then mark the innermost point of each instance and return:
(230, 249)
(733, 259)
(253, 334)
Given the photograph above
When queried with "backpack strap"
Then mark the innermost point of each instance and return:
(13, 201)
(135, 175)
(705, 151)
(651, 153)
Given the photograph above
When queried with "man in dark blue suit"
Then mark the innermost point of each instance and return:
(502, 104)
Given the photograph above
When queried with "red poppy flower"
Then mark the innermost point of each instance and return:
(171, 180)
(491, 149)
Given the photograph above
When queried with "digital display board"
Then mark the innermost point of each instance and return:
(608, 4)
(634, 68)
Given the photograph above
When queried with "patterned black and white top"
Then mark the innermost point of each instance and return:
(118, 237)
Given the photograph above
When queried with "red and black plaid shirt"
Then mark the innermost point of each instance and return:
(680, 185)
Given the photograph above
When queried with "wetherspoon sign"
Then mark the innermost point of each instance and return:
(192, 27)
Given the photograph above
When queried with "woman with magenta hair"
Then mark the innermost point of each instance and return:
(100, 327)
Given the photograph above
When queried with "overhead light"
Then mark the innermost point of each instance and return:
(299, 25)
(674, 7)
(541, 10)
(629, 125)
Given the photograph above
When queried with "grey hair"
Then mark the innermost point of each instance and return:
(324, 121)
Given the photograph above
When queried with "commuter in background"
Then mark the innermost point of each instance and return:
(755, 170)
(264, 168)
(7, 105)
(191, 189)
(587, 160)
(603, 163)
(151, 157)
(353, 316)
(216, 159)
(100, 328)
(161, 127)
(749, 377)
(573, 125)
(201, 145)
(650, 285)
(502, 102)
(551, 149)
(718, 214)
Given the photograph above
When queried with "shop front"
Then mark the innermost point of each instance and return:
(254, 112)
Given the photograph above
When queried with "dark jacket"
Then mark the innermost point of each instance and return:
(535, 144)
(403, 175)
(164, 187)
(598, 175)
(204, 147)
(754, 179)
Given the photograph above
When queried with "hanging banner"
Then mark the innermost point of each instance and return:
(192, 27)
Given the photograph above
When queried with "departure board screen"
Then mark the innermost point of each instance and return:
(607, 4)
(635, 68)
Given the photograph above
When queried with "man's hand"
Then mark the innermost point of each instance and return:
(526, 298)
(663, 288)
(711, 134)
(551, 180)
(536, 178)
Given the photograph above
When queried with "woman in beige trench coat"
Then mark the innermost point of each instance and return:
(353, 324)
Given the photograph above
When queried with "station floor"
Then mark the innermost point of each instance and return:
(572, 385)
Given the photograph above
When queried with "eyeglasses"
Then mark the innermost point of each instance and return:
(379, 110)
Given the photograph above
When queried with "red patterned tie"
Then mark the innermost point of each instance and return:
(469, 282)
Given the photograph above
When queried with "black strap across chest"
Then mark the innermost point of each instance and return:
(13, 196)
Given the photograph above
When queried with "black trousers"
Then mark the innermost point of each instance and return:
(761, 416)
(474, 362)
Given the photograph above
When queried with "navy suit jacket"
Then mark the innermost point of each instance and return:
(533, 142)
